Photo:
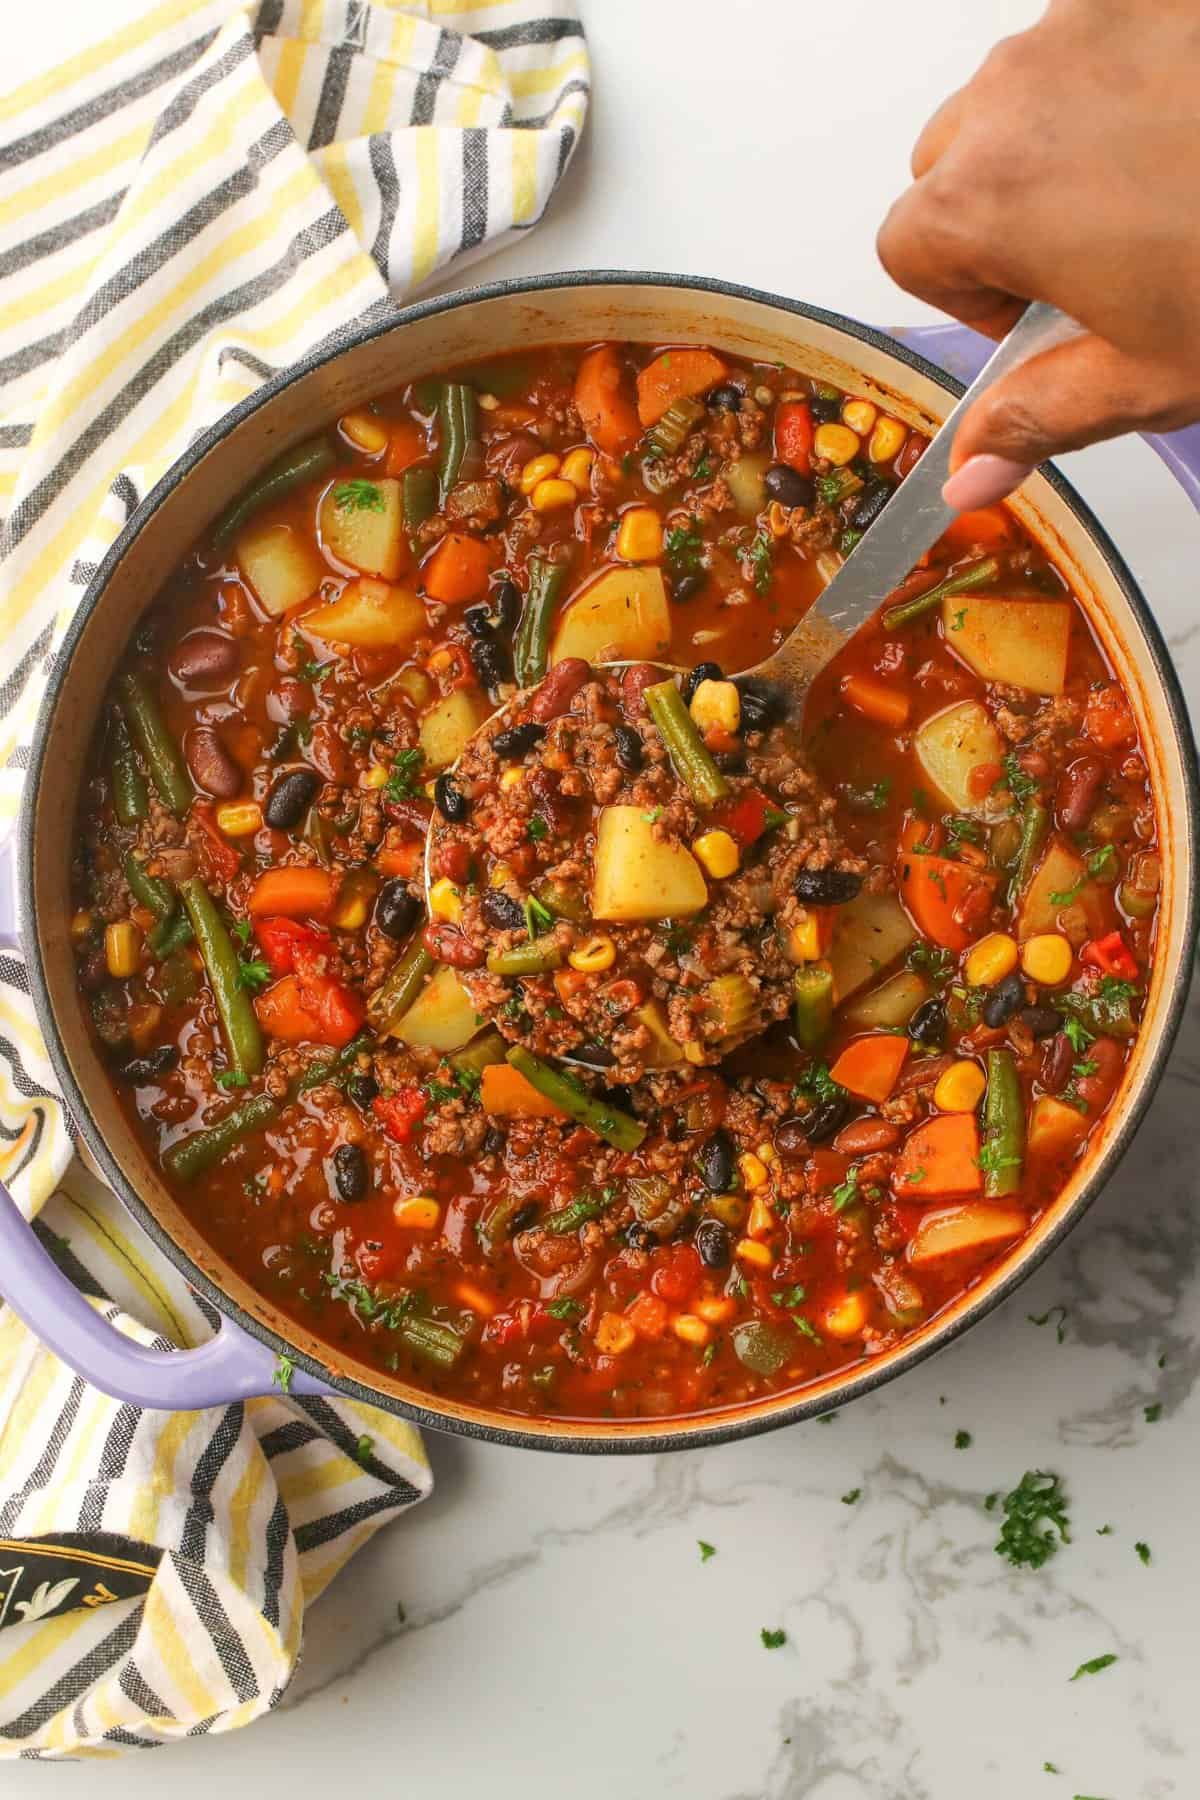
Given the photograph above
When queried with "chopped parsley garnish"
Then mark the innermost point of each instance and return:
(1076, 1034)
(369, 1306)
(848, 540)
(1021, 786)
(358, 496)
(707, 1551)
(962, 1440)
(1113, 990)
(1034, 1511)
(364, 1448)
(231, 1078)
(773, 1640)
(1143, 1551)
(678, 940)
(992, 1159)
(240, 929)
(817, 1084)
(1064, 896)
(254, 974)
(1095, 1665)
(758, 555)
(1102, 863)
(404, 781)
(538, 918)
(653, 816)
(792, 1296)
(774, 817)
(703, 468)
(564, 1308)
(1153, 1412)
(807, 1329)
(846, 1193)
(1060, 1329)
(537, 829)
(930, 960)
(959, 619)
(963, 831)
(281, 1375)
(850, 1498)
(1104, 1531)
(684, 550)
(918, 1175)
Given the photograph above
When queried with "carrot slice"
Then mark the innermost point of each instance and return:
(505, 1093)
(939, 1160)
(458, 569)
(934, 889)
(868, 1067)
(298, 893)
(990, 528)
(878, 700)
(607, 412)
(676, 375)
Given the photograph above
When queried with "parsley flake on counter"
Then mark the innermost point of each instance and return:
(773, 1640)
(1037, 1500)
(1153, 1413)
(364, 1448)
(1104, 1531)
(281, 1375)
(962, 1440)
(1049, 1768)
(1143, 1551)
(1095, 1665)
(707, 1551)
(850, 1498)
(1060, 1328)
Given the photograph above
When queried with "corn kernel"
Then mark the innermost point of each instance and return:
(577, 469)
(122, 943)
(354, 901)
(593, 954)
(1046, 957)
(365, 432)
(81, 925)
(475, 1298)
(500, 875)
(716, 852)
(241, 818)
(374, 777)
(886, 439)
(846, 1317)
(836, 444)
(445, 901)
(539, 468)
(430, 790)
(441, 662)
(753, 1171)
(991, 959)
(959, 1089)
(762, 1221)
(804, 940)
(714, 1309)
(750, 1251)
(767, 1153)
(690, 1329)
(716, 705)
(860, 416)
(614, 1335)
(639, 535)
(731, 1209)
(693, 1051)
(418, 1214)
(510, 779)
(551, 494)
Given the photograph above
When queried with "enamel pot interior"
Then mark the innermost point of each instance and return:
(488, 322)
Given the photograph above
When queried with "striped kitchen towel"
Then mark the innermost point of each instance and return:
(184, 210)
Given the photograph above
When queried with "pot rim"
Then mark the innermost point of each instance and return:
(632, 1437)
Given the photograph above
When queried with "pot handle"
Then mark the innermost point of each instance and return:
(963, 352)
(232, 1365)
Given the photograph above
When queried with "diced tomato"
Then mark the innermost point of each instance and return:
(744, 816)
(308, 1008)
(794, 435)
(400, 1113)
(339, 1010)
(219, 861)
(1111, 956)
(280, 938)
(678, 1276)
(648, 1316)
(982, 779)
(1108, 720)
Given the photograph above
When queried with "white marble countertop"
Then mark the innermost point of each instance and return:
(545, 1625)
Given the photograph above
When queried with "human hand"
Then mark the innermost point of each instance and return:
(1065, 171)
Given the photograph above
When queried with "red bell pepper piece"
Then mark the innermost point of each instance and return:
(400, 1113)
(743, 816)
(279, 939)
(794, 435)
(1111, 956)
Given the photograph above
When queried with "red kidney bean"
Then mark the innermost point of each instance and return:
(862, 1136)
(1078, 786)
(289, 699)
(329, 755)
(1058, 1060)
(634, 682)
(923, 1072)
(558, 690)
(453, 861)
(1097, 1089)
(508, 457)
(203, 656)
(213, 769)
(446, 943)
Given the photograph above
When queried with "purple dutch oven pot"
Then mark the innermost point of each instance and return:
(903, 372)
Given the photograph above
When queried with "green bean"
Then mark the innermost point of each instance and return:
(332, 1068)
(177, 977)
(493, 1227)
(171, 935)
(1003, 1155)
(562, 902)
(617, 1128)
(243, 1039)
(418, 496)
(488, 1048)
(130, 803)
(575, 1213)
(457, 425)
(973, 576)
(303, 462)
(149, 731)
(191, 1156)
(537, 958)
(689, 758)
(159, 896)
(389, 1003)
(431, 1340)
(1035, 825)
(531, 645)
(812, 1004)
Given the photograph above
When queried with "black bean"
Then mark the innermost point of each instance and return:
(478, 621)
(149, 1068)
(450, 800)
(506, 604)
(790, 489)
(1041, 1021)
(712, 1244)
(826, 1119)
(705, 671)
(630, 753)
(730, 762)
(686, 587)
(826, 887)
(596, 1056)
(791, 1139)
(397, 909)
(523, 1218)
(362, 1089)
(517, 741)
(760, 707)
(1005, 999)
(492, 664)
(928, 1023)
(290, 798)
(502, 911)
(871, 503)
(715, 1163)
(640, 1237)
(725, 398)
(350, 1172)
(493, 1141)
(619, 1096)
(824, 411)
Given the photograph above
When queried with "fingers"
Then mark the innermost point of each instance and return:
(937, 135)
(1078, 393)
(926, 249)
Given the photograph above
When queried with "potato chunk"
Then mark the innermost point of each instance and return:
(369, 615)
(279, 564)
(448, 724)
(640, 877)
(362, 524)
(869, 932)
(442, 1017)
(1023, 642)
(951, 746)
(620, 615)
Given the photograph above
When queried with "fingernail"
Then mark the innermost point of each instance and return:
(982, 480)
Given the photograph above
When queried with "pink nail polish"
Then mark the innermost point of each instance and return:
(982, 480)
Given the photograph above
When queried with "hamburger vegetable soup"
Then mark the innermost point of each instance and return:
(721, 1058)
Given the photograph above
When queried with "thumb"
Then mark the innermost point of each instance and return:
(1078, 393)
